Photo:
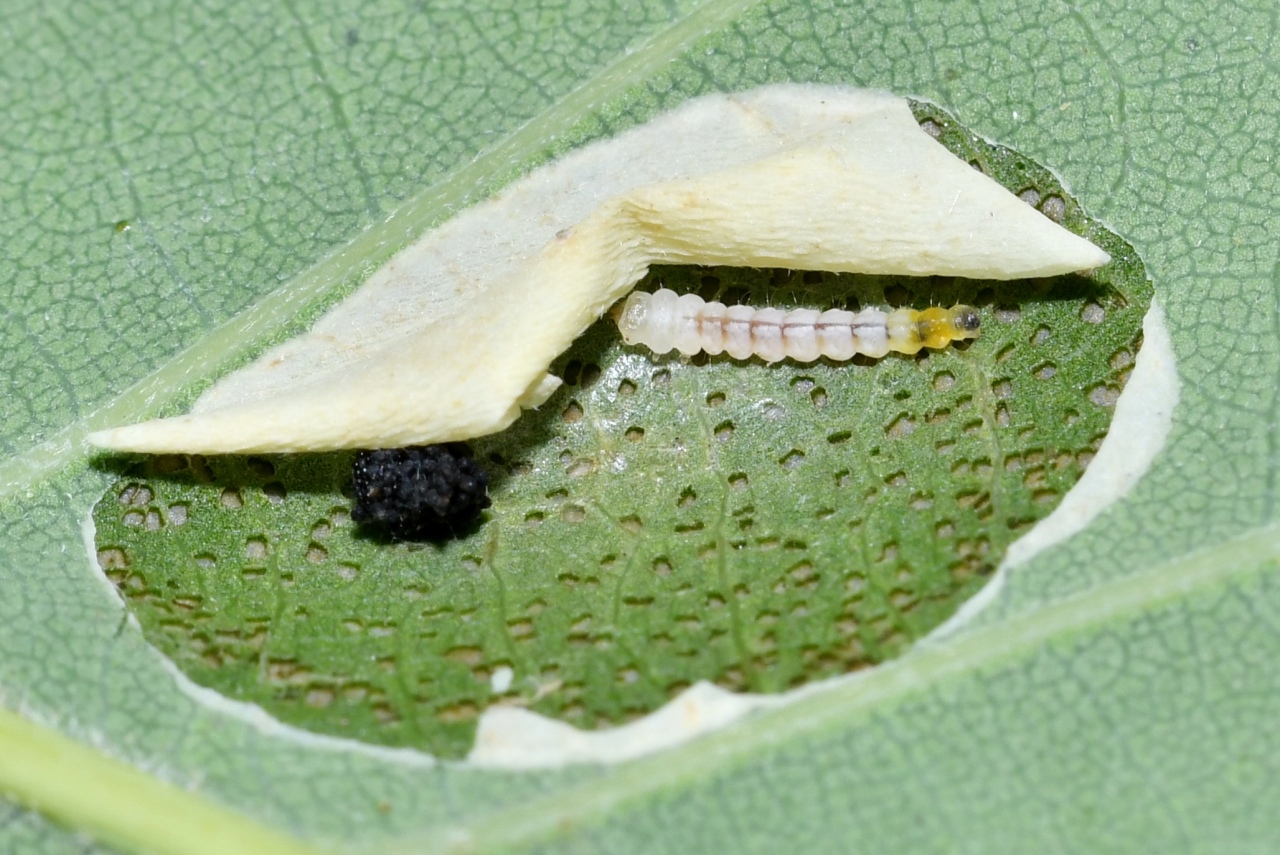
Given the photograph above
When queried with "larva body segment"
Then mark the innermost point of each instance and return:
(663, 321)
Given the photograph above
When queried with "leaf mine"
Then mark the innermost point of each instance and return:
(657, 522)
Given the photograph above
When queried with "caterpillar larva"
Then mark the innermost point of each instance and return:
(664, 320)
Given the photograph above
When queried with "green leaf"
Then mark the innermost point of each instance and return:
(185, 186)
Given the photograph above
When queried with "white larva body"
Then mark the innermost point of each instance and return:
(664, 320)
(453, 336)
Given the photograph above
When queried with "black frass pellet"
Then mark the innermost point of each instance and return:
(423, 492)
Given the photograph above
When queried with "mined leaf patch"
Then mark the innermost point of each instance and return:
(657, 521)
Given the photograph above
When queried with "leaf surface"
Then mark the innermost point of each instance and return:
(186, 186)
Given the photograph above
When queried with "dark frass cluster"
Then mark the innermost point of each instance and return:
(424, 492)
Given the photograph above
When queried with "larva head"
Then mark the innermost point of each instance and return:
(649, 319)
(630, 316)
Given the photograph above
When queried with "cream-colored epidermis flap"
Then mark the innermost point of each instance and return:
(453, 336)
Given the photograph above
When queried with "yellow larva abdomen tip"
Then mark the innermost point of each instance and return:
(939, 327)
(664, 321)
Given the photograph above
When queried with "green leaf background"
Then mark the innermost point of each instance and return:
(183, 185)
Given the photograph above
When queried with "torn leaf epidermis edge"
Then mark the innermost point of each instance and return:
(452, 338)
